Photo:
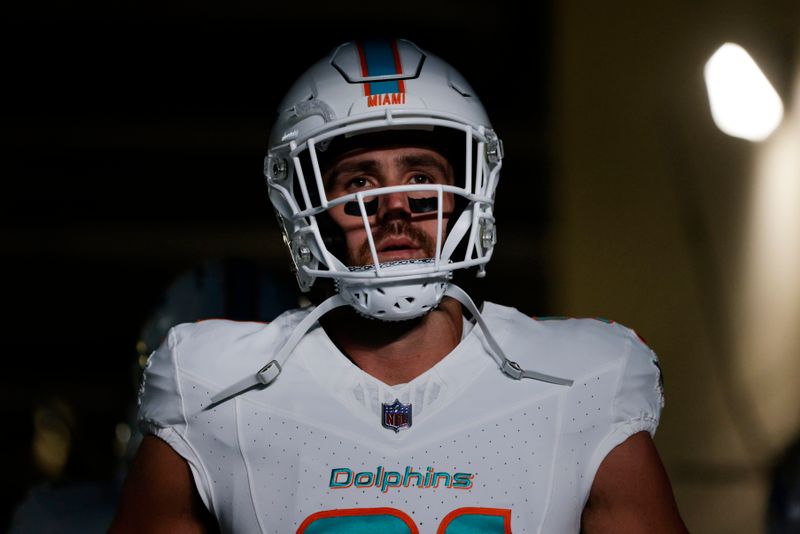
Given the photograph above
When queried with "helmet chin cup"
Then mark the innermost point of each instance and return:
(392, 300)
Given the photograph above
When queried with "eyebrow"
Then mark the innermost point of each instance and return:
(365, 166)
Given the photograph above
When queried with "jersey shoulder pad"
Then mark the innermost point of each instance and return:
(212, 352)
(577, 348)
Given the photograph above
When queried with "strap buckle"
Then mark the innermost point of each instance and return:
(269, 372)
(512, 369)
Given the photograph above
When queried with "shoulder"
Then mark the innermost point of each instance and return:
(216, 348)
(603, 353)
(610, 364)
(213, 338)
(198, 358)
(574, 345)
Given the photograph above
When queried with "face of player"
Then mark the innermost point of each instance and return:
(403, 224)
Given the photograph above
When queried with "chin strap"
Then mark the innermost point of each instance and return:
(508, 367)
(270, 372)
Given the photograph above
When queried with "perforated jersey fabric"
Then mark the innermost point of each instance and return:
(484, 453)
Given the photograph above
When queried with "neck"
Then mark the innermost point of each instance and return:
(396, 352)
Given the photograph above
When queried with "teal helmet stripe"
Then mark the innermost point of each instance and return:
(380, 58)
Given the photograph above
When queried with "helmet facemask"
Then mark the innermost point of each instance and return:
(406, 288)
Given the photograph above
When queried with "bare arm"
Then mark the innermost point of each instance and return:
(631, 492)
(159, 495)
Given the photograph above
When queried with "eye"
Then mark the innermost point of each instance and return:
(359, 182)
(421, 179)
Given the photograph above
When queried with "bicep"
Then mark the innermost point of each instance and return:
(159, 494)
(631, 492)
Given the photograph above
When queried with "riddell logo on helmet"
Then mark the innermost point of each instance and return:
(386, 99)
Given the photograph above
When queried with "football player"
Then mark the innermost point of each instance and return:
(395, 404)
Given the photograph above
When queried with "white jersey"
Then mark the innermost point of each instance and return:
(326, 449)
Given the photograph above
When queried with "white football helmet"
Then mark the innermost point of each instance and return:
(361, 91)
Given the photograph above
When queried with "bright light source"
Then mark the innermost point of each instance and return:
(743, 102)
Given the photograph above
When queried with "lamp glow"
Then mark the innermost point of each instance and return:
(743, 102)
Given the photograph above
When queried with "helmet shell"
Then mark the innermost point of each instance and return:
(361, 77)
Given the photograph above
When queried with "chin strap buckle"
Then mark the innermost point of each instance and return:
(269, 372)
(512, 369)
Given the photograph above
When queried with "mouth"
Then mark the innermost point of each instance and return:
(399, 248)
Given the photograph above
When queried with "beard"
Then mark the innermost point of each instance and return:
(396, 228)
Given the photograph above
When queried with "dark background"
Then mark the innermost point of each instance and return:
(133, 139)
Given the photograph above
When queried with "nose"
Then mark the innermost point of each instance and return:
(393, 205)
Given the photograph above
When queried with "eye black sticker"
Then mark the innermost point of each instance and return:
(422, 205)
(415, 205)
(371, 207)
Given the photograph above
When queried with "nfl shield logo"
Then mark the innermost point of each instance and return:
(396, 415)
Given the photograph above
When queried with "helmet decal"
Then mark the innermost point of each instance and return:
(376, 60)
(380, 58)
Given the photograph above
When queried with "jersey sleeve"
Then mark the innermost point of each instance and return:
(637, 402)
(640, 393)
(638, 397)
(160, 402)
(162, 412)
